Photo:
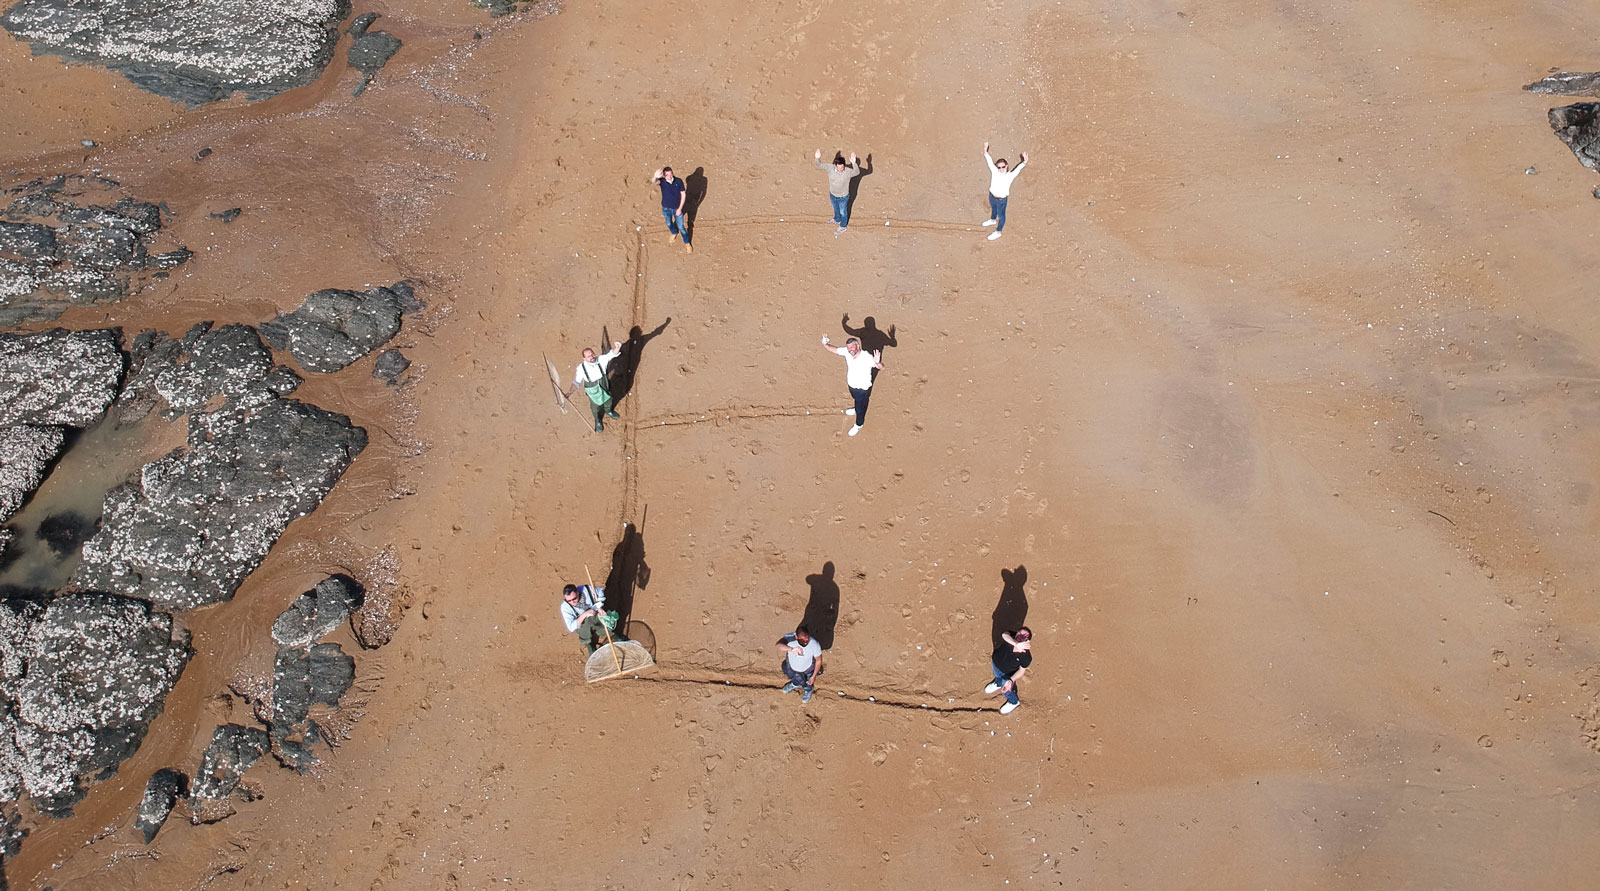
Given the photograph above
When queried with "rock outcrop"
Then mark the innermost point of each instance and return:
(83, 677)
(199, 520)
(391, 364)
(1568, 83)
(333, 329)
(57, 250)
(163, 790)
(58, 377)
(190, 51)
(234, 748)
(25, 453)
(301, 678)
(369, 50)
(1579, 127)
(316, 613)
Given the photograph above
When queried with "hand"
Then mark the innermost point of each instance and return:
(1024, 157)
(852, 157)
(657, 174)
(617, 344)
(986, 146)
(824, 340)
(1008, 685)
(818, 155)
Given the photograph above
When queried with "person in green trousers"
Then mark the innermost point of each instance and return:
(591, 377)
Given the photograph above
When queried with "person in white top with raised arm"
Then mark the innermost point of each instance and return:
(1000, 177)
(859, 367)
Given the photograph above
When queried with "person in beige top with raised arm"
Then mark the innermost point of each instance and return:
(839, 176)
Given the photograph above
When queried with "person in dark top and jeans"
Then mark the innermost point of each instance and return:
(1010, 663)
(674, 194)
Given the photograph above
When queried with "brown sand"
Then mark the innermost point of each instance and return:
(1281, 390)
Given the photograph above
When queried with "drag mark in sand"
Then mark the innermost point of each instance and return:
(750, 680)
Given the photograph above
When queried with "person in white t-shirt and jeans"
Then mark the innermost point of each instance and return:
(802, 661)
(999, 190)
(859, 368)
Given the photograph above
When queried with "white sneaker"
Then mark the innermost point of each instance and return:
(850, 411)
(991, 689)
(994, 235)
(854, 430)
(1009, 707)
(988, 223)
(838, 230)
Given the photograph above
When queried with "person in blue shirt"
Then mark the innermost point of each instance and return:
(674, 195)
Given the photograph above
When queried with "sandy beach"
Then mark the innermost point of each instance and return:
(1275, 414)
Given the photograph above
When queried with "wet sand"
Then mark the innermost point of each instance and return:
(1281, 392)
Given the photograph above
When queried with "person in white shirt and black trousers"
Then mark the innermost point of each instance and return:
(999, 190)
(860, 369)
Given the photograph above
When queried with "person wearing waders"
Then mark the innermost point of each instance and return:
(592, 378)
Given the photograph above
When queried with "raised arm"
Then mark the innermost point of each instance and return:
(816, 160)
(1018, 168)
(877, 359)
(656, 177)
(829, 347)
(986, 157)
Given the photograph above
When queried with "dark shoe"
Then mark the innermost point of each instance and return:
(611, 413)
(599, 427)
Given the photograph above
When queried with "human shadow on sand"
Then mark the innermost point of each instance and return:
(822, 610)
(1012, 610)
(629, 572)
(695, 186)
(855, 185)
(622, 371)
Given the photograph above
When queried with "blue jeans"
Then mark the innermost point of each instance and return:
(997, 212)
(677, 223)
(860, 397)
(1000, 677)
(798, 678)
(841, 209)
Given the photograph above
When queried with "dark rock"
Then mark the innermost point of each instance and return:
(94, 671)
(163, 790)
(94, 253)
(190, 51)
(334, 328)
(234, 748)
(1579, 127)
(410, 303)
(25, 454)
(316, 613)
(1568, 83)
(282, 381)
(225, 362)
(65, 532)
(228, 215)
(302, 678)
(202, 154)
(11, 836)
(199, 520)
(58, 377)
(390, 365)
(369, 50)
(27, 242)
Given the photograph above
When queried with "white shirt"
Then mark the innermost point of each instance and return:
(858, 368)
(588, 598)
(1000, 180)
(591, 373)
(808, 654)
